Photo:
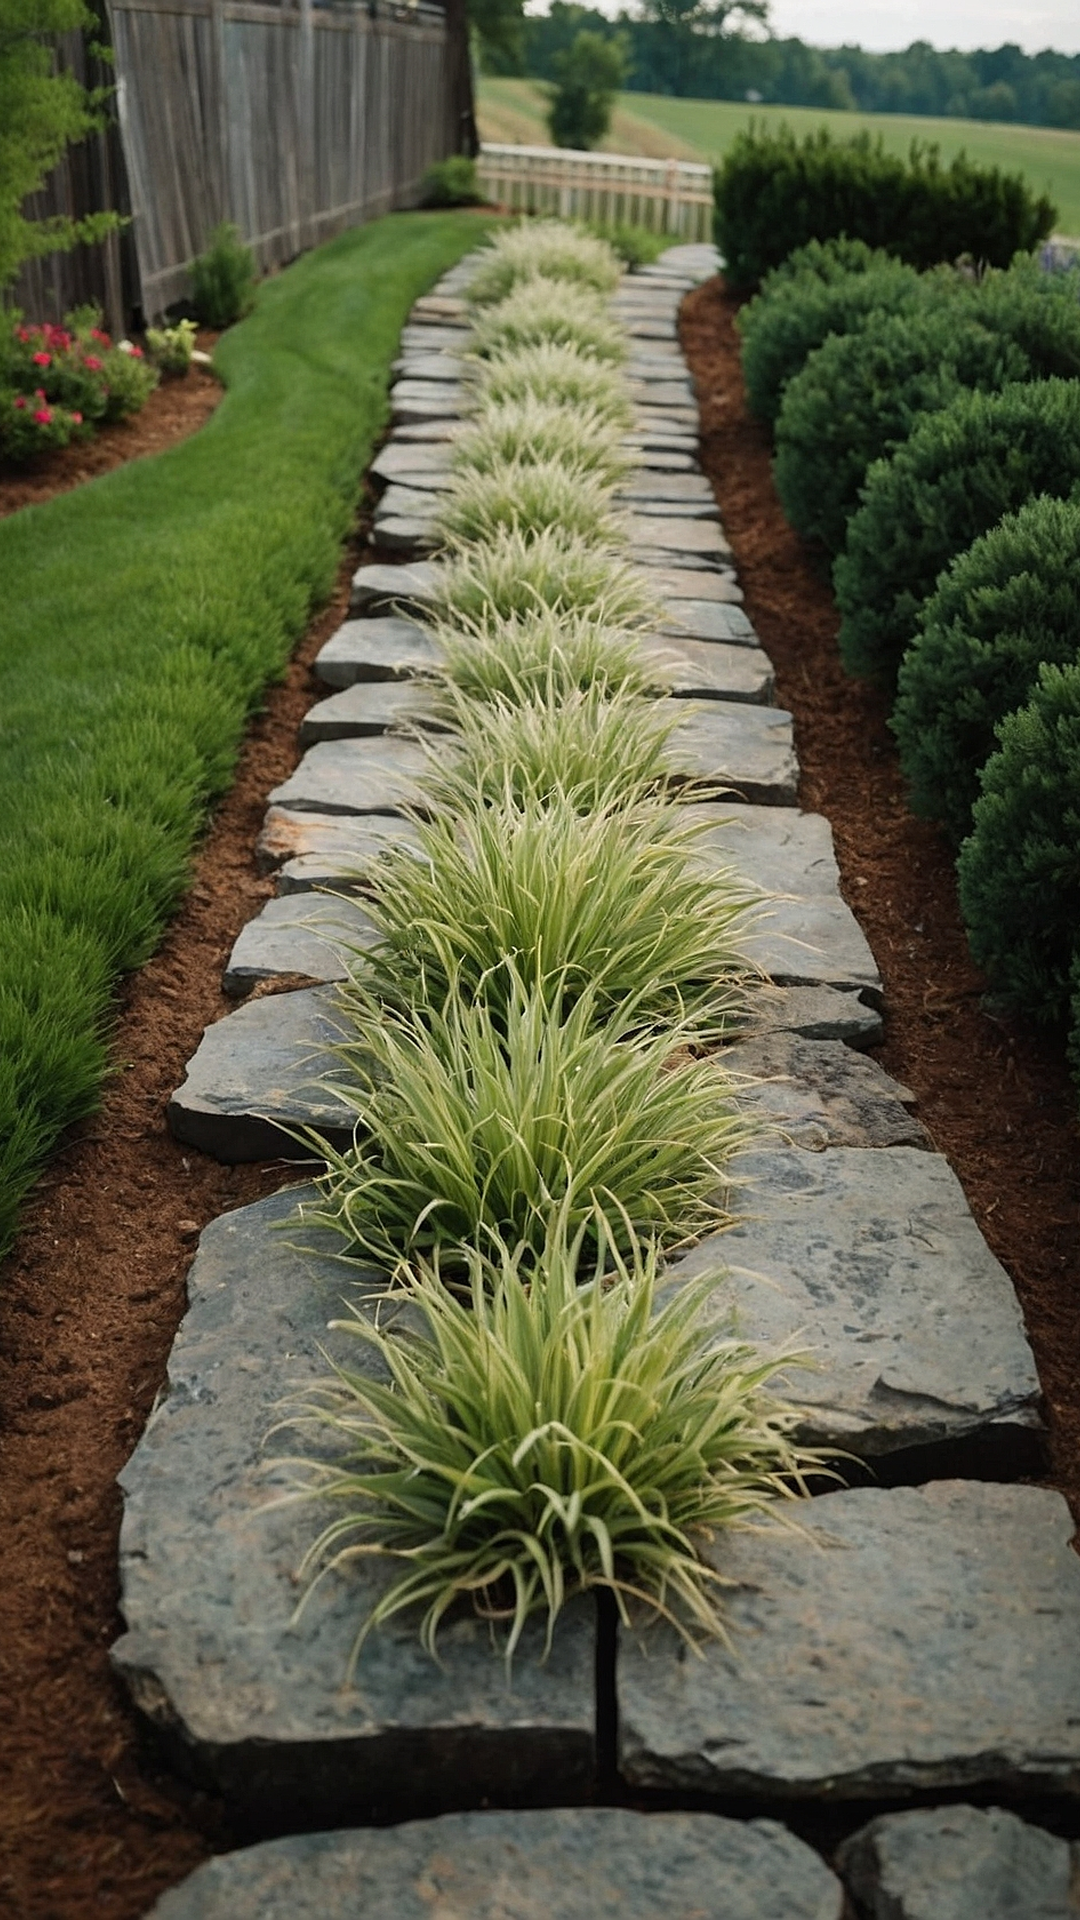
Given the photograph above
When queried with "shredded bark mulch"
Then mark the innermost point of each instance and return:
(92, 1294)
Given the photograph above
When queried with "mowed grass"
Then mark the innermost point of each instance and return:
(142, 615)
(655, 124)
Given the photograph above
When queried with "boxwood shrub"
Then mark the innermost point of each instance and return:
(859, 396)
(793, 315)
(1008, 604)
(1020, 869)
(984, 455)
(774, 192)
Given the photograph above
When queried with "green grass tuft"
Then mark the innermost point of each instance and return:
(549, 248)
(593, 749)
(544, 655)
(559, 376)
(526, 498)
(512, 575)
(549, 313)
(532, 431)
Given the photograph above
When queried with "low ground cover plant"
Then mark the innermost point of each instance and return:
(774, 192)
(451, 183)
(961, 469)
(545, 654)
(545, 1433)
(1004, 607)
(58, 383)
(155, 602)
(588, 748)
(510, 574)
(532, 431)
(1019, 870)
(549, 313)
(171, 348)
(543, 248)
(559, 375)
(527, 497)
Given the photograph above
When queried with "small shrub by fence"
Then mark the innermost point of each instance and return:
(666, 196)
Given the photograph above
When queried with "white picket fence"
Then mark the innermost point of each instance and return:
(669, 196)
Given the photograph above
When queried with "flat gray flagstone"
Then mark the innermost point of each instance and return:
(804, 934)
(433, 337)
(819, 1093)
(697, 259)
(421, 400)
(662, 438)
(400, 500)
(442, 365)
(346, 844)
(710, 670)
(870, 1262)
(379, 648)
(674, 510)
(649, 327)
(659, 460)
(708, 620)
(434, 306)
(673, 419)
(745, 748)
(259, 1075)
(380, 775)
(661, 362)
(382, 586)
(695, 584)
(253, 1702)
(372, 707)
(683, 488)
(564, 1863)
(413, 537)
(960, 1863)
(700, 538)
(416, 463)
(421, 433)
(931, 1641)
(661, 393)
(302, 938)
(817, 1013)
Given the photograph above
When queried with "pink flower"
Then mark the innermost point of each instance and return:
(19, 402)
(43, 359)
(77, 418)
(43, 417)
(92, 363)
(39, 393)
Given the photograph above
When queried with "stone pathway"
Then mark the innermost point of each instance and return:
(919, 1635)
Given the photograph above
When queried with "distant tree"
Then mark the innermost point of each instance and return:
(41, 111)
(588, 75)
(682, 26)
(498, 30)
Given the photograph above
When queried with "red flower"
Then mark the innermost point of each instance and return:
(39, 393)
(77, 418)
(42, 359)
(19, 402)
(43, 416)
(102, 338)
(136, 353)
(92, 363)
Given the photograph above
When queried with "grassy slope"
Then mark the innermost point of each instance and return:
(141, 617)
(702, 129)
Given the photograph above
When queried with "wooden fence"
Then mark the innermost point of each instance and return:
(293, 121)
(670, 196)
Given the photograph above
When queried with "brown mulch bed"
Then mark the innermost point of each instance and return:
(174, 410)
(91, 1296)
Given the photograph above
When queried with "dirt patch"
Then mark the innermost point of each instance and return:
(174, 410)
(993, 1091)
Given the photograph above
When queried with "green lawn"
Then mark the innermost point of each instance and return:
(702, 129)
(141, 617)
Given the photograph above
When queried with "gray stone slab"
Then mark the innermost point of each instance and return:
(745, 749)
(960, 1863)
(691, 537)
(433, 337)
(685, 419)
(297, 939)
(386, 648)
(817, 1013)
(818, 1093)
(661, 393)
(378, 587)
(648, 327)
(419, 464)
(804, 934)
(344, 844)
(710, 670)
(426, 432)
(697, 259)
(694, 584)
(660, 460)
(673, 510)
(259, 1705)
(682, 488)
(919, 1638)
(440, 366)
(406, 502)
(258, 1076)
(582, 1863)
(371, 707)
(870, 1261)
(380, 775)
(417, 400)
(708, 620)
(413, 538)
(434, 306)
(661, 436)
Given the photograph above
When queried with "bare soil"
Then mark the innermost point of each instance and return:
(92, 1294)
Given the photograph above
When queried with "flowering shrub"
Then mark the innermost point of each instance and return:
(55, 381)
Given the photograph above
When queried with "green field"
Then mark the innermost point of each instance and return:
(656, 124)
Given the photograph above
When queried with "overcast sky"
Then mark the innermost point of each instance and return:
(945, 23)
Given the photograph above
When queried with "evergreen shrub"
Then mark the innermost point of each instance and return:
(223, 278)
(1020, 869)
(774, 192)
(1006, 606)
(982, 456)
(859, 396)
(793, 315)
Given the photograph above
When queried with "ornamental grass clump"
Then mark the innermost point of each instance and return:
(619, 903)
(544, 247)
(510, 574)
(532, 432)
(545, 655)
(549, 313)
(558, 375)
(539, 1436)
(482, 1118)
(589, 748)
(527, 498)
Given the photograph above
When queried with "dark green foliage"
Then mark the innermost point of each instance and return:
(1006, 606)
(1020, 870)
(859, 396)
(588, 75)
(958, 473)
(824, 260)
(223, 279)
(451, 183)
(794, 313)
(142, 616)
(1040, 311)
(774, 192)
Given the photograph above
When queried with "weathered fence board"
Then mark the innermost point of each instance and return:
(670, 196)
